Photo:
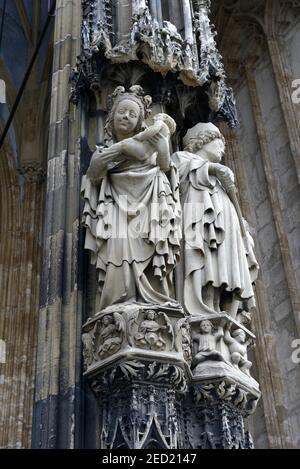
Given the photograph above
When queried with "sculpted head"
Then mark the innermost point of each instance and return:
(205, 140)
(168, 120)
(107, 320)
(126, 119)
(127, 113)
(151, 315)
(239, 335)
(206, 327)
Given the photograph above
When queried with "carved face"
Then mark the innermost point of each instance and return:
(214, 150)
(241, 336)
(126, 118)
(206, 327)
(151, 315)
(106, 320)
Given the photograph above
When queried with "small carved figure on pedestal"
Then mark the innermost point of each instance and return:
(149, 334)
(207, 344)
(238, 345)
(110, 335)
(88, 341)
(186, 342)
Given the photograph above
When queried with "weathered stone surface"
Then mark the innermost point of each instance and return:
(267, 143)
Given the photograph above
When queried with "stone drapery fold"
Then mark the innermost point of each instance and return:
(133, 230)
(213, 241)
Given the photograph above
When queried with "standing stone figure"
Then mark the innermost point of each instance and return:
(132, 209)
(220, 266)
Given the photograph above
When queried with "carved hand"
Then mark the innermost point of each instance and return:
(224, 174)
(100, 161)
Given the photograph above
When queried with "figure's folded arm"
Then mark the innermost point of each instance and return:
(100, 161)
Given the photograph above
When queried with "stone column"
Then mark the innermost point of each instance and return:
(267, 361)
(20, 261)
(124, 19)
(175, 8)
(188, 24)
(273, 193)
(153, 8)
(159, 12)
(57, 408)
(279, 55)
(283, 76)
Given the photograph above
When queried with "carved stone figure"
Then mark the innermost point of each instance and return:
(220, 266)
(110, 336)
(88, 341)
(238, 346)
(153, 139)
(207, 343)
(149, 334)
(186, 341)
(132, 210)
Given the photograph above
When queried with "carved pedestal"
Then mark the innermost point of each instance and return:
(136, 360)
(223, 393)
(215, 423)
(163, 380)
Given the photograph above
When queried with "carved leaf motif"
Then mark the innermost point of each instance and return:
(178, 378)
(131, 369)
(241, 398)
(224, 393)
(160, 373)
(251, 406)
(204, 392)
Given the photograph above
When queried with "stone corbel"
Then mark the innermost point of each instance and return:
(33, 171)
(219, 355)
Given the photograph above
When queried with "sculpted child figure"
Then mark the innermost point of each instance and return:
(207, 341)
(238, 346)
(220, 265)
(153, 139)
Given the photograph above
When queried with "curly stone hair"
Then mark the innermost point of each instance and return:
(202, 139)
(168, 120)
(136, 94)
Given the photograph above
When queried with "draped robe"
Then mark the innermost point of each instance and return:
(132, 219)
(214, 248)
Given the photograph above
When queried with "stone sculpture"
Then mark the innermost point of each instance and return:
(207, 343)
(149, 334)
(238, 346)
(110, 335)
(132, 209)
(159, 370)
(220, 266)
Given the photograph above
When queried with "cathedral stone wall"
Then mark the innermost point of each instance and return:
(273, 192)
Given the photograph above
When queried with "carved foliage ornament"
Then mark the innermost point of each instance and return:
(194, 56)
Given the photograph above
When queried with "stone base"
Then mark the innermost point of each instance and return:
(155, 390)
(214, 424)
(212, 371)
(136, 332)
(139, 416)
